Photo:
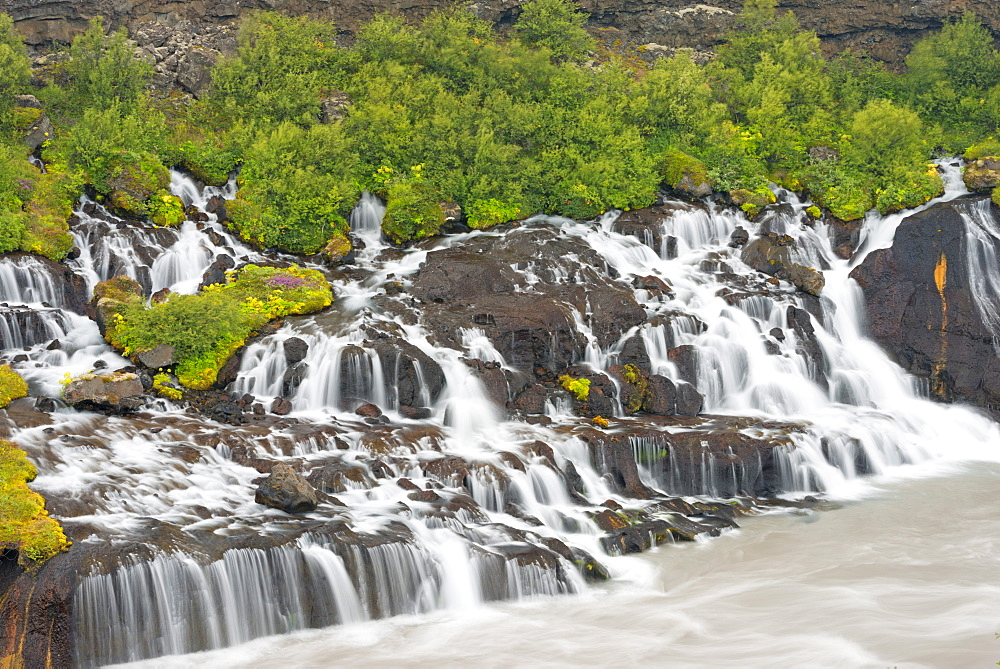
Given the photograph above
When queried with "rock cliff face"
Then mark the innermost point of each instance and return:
(883, 29)
(921, 300)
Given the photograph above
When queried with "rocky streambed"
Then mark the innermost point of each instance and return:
(480, 416)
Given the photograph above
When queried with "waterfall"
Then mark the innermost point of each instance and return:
(449, 494)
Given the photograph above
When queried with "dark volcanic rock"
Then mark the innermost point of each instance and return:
(531, 323)
(295, 349)
(287, 490)
(157, 358)
(116, 390)
(417, 377)
(922, 306)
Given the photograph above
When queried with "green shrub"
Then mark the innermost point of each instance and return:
(413, 209)
(487, 213)
(296, 188)
(25, 525)
(987, 148)
(15, 68)
(556, 25)
(279, 68)
(103, 72)
(677, 165)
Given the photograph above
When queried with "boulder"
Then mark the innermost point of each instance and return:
(531, 400)
(194, 70)
(772, 255)
(110, 296)
(287, 490)
(160, 357)
(921, 302)
(982, 174)
(295, 350)
(689, 401)
(115, 390)
(216, 272)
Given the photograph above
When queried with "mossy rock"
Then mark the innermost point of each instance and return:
(413, 211)
(982, 174)
(207, 329)
(25, 525)
(12, 386)
(133, 183)
(752, 202)
(49, 209)
(337, 249)
(685, 174)
(165, 209)
(996, 196)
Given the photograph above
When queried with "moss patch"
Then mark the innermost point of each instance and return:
(25, 525)
(12, 386)
(207, 329)
(579, 387)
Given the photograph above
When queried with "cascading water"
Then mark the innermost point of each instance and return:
(439, 498)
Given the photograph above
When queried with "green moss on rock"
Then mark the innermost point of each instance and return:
(685, 174)
(25, 525)
(12, 386)
(133, 183)
(752, 202)
(207, 329)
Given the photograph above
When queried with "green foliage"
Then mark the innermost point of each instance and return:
(885, 140)
(988, 148)
(16, 186)
(953, 74)
(25, 525)
(579, 387)
(104, 72)
(995, 196)
(206, 329)
(278, 71)
(556, 25)
(15, 68)
(12, 386)
(677, 165)
(487, 213)
(413, 209)
(296, 187)
(674, 101)
(165, 209)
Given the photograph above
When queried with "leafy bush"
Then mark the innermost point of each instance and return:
(278, 71)
(15, 68)
(104, 72)
(987, 148)
(579, 387)
(556, 25)
(296, 188)
(413, 208)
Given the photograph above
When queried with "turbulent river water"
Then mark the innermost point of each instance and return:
(908, 576)
(463, 495)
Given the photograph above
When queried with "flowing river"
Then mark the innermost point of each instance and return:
(908, 576)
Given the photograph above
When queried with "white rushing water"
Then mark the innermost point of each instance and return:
(395, 554)
(908, 578)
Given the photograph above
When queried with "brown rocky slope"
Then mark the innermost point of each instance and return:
(883, 29)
